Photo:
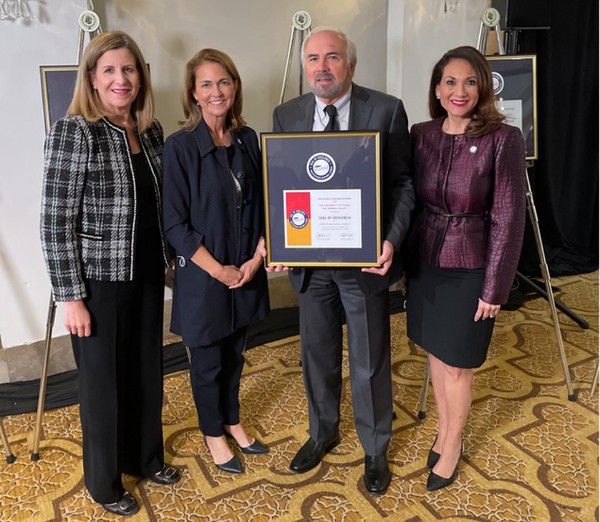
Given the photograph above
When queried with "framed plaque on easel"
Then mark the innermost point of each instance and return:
(58, 82)
(515, 88)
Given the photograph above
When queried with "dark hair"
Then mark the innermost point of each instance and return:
(486, 117)
(191, 111)
(86, 101)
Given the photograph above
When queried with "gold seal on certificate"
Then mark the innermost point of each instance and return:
(322, 198)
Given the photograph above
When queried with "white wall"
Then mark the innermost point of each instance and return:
(400, 48)
(50, 38)
(419, 33)
(255, 33)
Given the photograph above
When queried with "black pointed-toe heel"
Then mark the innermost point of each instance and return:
(438, 482)
(435, 481)
(432, 456)
(233, 465)
(256, 448)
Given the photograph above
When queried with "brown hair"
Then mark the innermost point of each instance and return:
(191, 111)
(486, 117)
(86, 101)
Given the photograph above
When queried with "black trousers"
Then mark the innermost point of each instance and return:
(121, 380)
(215, 373)
(329, 293)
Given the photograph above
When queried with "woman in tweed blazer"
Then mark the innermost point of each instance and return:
(105, 251)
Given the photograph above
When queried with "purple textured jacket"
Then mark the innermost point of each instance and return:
(471, 194)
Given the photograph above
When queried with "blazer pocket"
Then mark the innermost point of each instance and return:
(93, 237)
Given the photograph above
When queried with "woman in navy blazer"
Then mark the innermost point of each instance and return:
(213, 217)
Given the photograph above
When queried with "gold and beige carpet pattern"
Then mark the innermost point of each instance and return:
(530, 454)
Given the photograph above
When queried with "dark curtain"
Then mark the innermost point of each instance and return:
(565, 177)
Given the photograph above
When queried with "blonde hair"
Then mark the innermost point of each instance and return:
(191, 111)
(86, 101)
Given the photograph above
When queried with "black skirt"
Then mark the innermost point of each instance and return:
(440, 307)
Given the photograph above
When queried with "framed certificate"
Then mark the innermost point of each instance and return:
(58, 82)
(322, 198)
(515, 89)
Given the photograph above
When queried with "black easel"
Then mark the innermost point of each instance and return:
(538, 289)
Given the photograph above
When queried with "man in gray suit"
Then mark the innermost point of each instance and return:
(324, 294)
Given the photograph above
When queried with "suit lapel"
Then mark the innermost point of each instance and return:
(307, 111)
(360, 109)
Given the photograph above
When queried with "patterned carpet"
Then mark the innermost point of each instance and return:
(530, 454)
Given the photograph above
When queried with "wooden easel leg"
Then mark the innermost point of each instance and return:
(546, 275)
(10, 458)
(43, 381)
(595, 383)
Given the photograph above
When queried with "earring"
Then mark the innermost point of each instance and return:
(437, 97)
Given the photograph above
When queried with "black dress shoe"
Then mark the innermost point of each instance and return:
(167, 475)
(311, 454)
(256, 448)
(432, 456)
(377, 474)
(126, 506)
(233, 465)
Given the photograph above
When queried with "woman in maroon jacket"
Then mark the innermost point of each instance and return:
(470, 183)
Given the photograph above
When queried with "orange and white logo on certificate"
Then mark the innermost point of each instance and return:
(298, 226)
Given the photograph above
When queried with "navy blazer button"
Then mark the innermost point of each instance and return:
(241, 174)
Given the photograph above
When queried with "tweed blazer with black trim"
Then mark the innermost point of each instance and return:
(89, 208)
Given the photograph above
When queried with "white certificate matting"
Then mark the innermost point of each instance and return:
(323, 218)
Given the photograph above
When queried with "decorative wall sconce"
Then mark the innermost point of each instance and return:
(450, 5)
(12, 10)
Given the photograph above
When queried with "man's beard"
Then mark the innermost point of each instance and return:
(327, 92)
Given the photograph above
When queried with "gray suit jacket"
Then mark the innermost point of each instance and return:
(374, 111)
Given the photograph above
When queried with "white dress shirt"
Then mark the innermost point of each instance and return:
(342, 105)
